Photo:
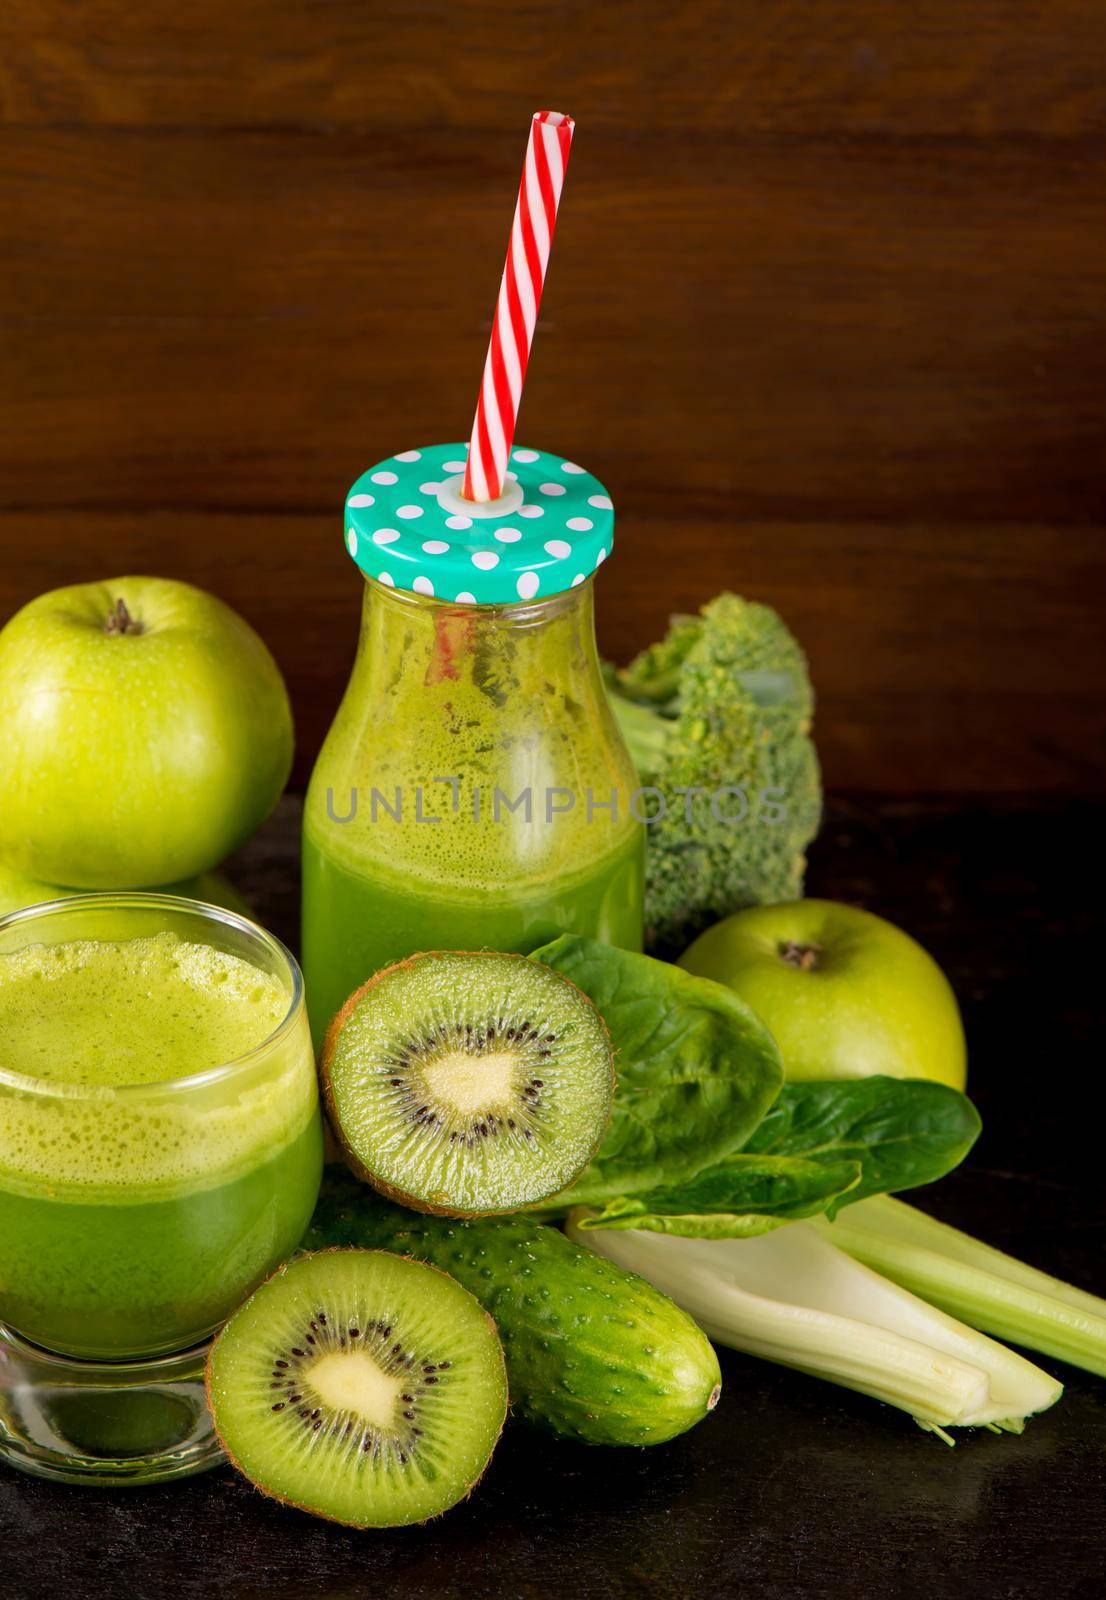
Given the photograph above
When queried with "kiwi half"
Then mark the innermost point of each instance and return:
(360, 1386)
(468, 1083)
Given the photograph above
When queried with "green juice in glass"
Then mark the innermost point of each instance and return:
(160, 1140)
(473, 793)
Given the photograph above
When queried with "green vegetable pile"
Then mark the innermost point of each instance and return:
(717, 717)
(733, 1193)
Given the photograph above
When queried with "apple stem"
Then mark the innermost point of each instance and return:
(120, 620)
(803, 956)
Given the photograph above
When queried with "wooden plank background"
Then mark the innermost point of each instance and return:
(827, 313)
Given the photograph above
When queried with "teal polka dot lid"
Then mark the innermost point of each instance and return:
(408, 526)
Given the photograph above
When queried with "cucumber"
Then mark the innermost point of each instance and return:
(593, 1352)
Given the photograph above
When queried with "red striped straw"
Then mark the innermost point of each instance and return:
(516, 310)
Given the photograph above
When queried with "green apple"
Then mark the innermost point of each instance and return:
(845, 993)
(18, 891)
(146, 732)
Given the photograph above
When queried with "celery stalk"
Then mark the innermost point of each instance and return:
(973, 1281)
(792, 1297)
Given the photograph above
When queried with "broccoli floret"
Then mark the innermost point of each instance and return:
(717, 716)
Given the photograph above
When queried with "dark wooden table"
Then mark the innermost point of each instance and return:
(793, 1487)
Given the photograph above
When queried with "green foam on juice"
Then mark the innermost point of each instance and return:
(88, 1019)
(131, 1012)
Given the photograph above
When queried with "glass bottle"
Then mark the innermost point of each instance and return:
(473, 791)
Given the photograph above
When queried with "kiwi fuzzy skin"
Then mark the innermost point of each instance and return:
(325, 1516)
(390, 1191)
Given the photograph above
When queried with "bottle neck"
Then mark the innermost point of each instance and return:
(495, 647)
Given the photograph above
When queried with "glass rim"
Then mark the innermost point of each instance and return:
(139, 899)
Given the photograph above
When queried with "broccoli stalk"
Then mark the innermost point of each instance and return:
(717, 719)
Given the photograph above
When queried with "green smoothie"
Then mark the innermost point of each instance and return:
(137, 1209)
(473, 793)
(366, 922)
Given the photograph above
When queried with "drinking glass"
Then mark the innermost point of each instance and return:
(135, 1218)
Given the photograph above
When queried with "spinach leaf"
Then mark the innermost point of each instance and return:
(819, 1147)
(903, 1131)
(697, 1069)
(744, 1196)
